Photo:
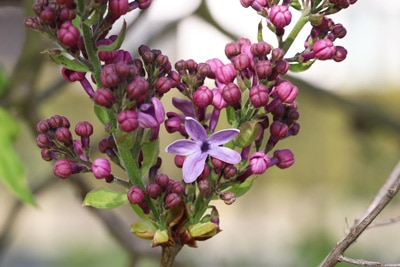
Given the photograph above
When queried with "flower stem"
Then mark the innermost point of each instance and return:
(296, 30)
(168, 254)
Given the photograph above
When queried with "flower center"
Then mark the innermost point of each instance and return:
(205, 147)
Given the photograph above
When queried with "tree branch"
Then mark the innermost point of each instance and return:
(361, 262)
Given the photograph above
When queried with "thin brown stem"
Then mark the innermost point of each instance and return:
(362, 262)
(168, 255)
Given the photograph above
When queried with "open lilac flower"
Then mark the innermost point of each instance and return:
(200, 147)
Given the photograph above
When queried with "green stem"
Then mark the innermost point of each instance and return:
(91, 52)
(296, 30)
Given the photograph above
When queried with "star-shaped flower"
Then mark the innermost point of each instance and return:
(201, 146)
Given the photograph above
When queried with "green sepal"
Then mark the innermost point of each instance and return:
(296, 4)
(57, 56)
(230, 115)
(143, 229)
(160, 238)
(240, 189)
(12, 171)
(117, 43)
(248, 133)
(101, 114)
(151, 150)
(104, 198)
(299, 67)
(203, 230)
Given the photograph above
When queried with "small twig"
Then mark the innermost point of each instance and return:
(384, 196)
(385, 222)
(361, 262)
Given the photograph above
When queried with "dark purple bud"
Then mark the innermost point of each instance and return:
(71, 75)
(42, 141)
(164, 84)
(109, 77)
(55, 121)
(229, 171)
(162, 180)
(48, 14)
(177, 188)
(66, 13)
(42, 126)
(64, 135)
(62, 168)
(228, 197)
(277, 54)
(84, 129)
(232, 50)
(263, 69)
(202, 97)
(278, 129)
(285, 158)
(241, 62)
(46, 154)
(280, 16)
(231, 94)
(101, 168)
(172, 200)
(260, 49)
(68, 34)
(340, 53)
(118, 7)
(339, 31)
(259, 162)
(178, 160)
(136, 195)
(286, 91)
(153, 190)
(173, 123)
(295, 128)
(324, 49)
(128, 120)
(218, 164)
(281, 66)
(106, 55)
(104, 97)
(259, 95)
(137, 89)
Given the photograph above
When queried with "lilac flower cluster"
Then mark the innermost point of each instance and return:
(247, 96)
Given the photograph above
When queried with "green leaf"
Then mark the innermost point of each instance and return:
(101, 114)
(3, 81)
(240, 189)
(151, 150)
(12, 171)
(117, 43)
(104, 198)
(57, 56)
(143, 229)
(299, 67)
(296, 4)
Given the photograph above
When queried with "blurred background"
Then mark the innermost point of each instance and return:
(348, 145)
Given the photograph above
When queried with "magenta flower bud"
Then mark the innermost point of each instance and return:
(214, 64)
(136, 195)
(71, 75)
(177, 188)
(173, 123)
(164, 84)
(42, 141)
(246, 3)
(68, 34)
(66, 13)
(179, 160)
(64, 135)
(128, 120)
(143, 4)
(42, 126)
(259, 162)
(137, 89)
(202, 97)
(229, 171)
(118, 7)
(340, 53)
(277, 54)
(259, 95)
(104, 97)
(48, 14)
(153, 190)
(84, 129)
(225, 74)
(280, 16)
(324, 49)
(263, 69)
(62, 168)
(46, 154)
(218, 101)
(162, 180)
(260, 49)
(172, 200)
(106, 55)
(109, 77)
(339, 31)
(228, 197)
(286, 91)
(295, 128)
(281, 67)
(278, 129)
(232, 49)
(285, 158)
(101, 168)
(241, 62)
(204, 185)
(231, 94)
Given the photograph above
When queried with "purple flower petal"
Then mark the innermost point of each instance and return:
(225, 154)
(195, 130)
(185, 106)
(146, 120)
(193, 166)
(159, 112)
(223, 136)
(183, 147)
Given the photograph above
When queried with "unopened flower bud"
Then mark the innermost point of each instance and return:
(101, 168)
(263, 69)
(259, 162)
(62, 168)
(104, 97)
(128, 120)
(172, 200)
(64, 135)
(278, 129)
(153, 190)
(228, 197)
(259, 95)
(135, 195)
(137, 89)
(232, 49)
(162, 180)
(84, 129)
(231, 94)
(241, 62)
(42, 141)
(225, 74)
(340, 53)
(260, 49)
(202, 97)
(285, 158)
(118, 7)
(280, 16)
(71, 75)
(286, 91)
(324, 49)
(68, 34)
(177, 188)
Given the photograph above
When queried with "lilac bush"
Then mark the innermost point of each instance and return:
(247, 94)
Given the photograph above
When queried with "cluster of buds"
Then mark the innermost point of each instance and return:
(71, 155)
